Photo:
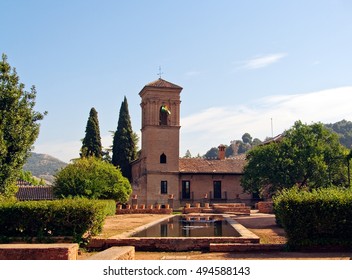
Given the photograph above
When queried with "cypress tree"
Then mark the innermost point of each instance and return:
(124, 146)
(91, 143)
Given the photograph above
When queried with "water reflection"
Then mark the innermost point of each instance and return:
(190, 226)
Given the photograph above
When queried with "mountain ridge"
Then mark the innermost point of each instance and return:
(43, 166)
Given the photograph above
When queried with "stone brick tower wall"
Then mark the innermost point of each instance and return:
(156, 173)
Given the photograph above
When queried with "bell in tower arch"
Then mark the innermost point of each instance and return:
(164, 115)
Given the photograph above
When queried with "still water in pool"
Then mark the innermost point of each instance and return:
(190, 226)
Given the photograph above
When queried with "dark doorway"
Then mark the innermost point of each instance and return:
(217, 189)
(186, 190)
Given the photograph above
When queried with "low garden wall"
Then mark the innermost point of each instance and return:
(265, 207)
(142, 209)
(168, 243)
(235, 208)
(115, 253)
(58, 251)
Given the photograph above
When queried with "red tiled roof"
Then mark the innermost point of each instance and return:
(201, 165)
(35, 193)
(160, 83)
(277, 138)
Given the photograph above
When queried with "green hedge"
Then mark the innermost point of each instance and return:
(46, 219)
(318, 217)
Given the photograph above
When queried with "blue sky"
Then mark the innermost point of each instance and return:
(240, 63)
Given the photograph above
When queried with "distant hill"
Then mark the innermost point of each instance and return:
(344, 130)
(43, 166)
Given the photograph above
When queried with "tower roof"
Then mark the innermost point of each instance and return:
(160, 83)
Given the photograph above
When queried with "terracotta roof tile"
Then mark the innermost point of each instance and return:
(160, 83)
(201, 165)
(35, 193)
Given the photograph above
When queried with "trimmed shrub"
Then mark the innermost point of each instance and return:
(317, 217)
(45, 219)
(92, 178)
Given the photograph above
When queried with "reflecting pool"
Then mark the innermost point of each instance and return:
(190, 226)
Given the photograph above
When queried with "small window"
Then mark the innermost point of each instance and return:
(162, 158)
(163, 187)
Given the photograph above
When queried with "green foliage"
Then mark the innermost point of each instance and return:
(212, 153)
(28, 177)
(247, 138)
(124, 149)
(308, 156)
(319, 217)
(229, 151)
(236, 147)
(188, 154)
(91, 143)
(46, 219)
(109, 206)
(19, 126)
(344, 131)
(92, 178)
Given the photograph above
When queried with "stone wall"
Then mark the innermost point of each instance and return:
(168, 243)
(202, 185)
(115, 253)
(144, 211)
(235, 208)
(265, 207)
(58, 251)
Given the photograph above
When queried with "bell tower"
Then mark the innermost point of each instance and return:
(160, 140)
(161, 125)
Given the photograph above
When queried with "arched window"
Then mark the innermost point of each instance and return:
(164, 115)
(162, 158)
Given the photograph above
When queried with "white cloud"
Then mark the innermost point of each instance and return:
(263, 61)
(220, 125)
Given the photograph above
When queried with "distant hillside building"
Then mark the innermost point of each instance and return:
(159, 173)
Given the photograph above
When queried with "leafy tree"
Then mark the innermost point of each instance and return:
(91, 143)
(309, 156)
(124, 149)
(19, 127)
(212, 153)
(256, 142)
(229, 152)
(28, 177)
(247, 138)
(188, 154)
(344, 130)
(92, 178)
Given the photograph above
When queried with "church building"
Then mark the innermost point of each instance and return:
(160, 174)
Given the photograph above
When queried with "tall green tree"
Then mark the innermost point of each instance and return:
(19, 127)
(91, 143)
(124, 149)
(308, 156)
